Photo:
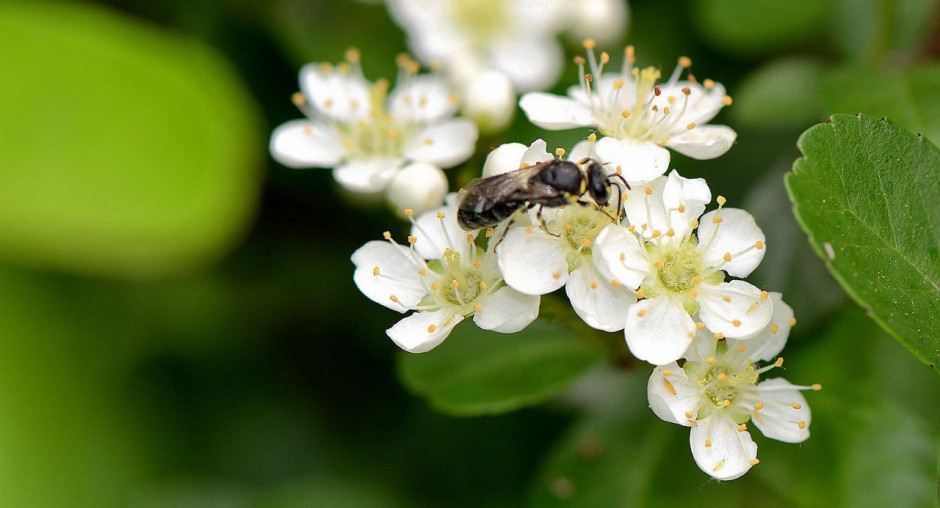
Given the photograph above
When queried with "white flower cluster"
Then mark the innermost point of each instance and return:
(633, 247)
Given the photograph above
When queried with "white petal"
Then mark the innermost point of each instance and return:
(619, 256)
(554, 112)
(599, 303)
(300, 144)
(537, 152)
(720, 450)
(531, 63)
(584, 149)
(639, 161)
(434, 234)
(371, 175)
(503, 159)
(767, 344)
(645, 208)
(445, 144)
(704, 142)
(532, 261)
(422, 99)
(734, 309)
(690, 194)
(659, 330)
(419, 186)
(342, 96)
(674, 397)
(703, 347)
(736, 233)
(601, 20)
(396, 275)
(423, 331)
(507, 311)
(785, 411)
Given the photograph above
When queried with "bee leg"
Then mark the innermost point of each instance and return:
(503, 228)
(542, 223)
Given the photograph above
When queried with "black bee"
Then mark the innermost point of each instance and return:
(485, 202)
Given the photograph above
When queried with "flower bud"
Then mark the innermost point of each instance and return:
(604, 21)
(489, 100)
(419, 186)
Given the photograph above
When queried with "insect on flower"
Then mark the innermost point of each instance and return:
(485, 202)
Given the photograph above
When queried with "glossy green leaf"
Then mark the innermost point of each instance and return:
(127, 150)
(909, 97)
(754, 27)
(478, 372)
(782, 94)
(866, 193)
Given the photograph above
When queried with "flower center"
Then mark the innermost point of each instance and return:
(579, 226)
(482, 21)
(678, 269)
(377, 135)
(722, 384)
(460, 285)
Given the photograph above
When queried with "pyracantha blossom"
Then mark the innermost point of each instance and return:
(718, 390)
(368, 134)
(681, 274)
(637, 117)
(443, 276)
(541, 254)
(514, 37)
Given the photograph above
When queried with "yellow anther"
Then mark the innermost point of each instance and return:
(753, 462)
(742, 427)
(694, 224)
(700, 325)
(658, 264)
(736, 323)
(625, 113)
(422, 272)
(726, 403)
(693, 423)
(681, 208)
(408, 212)
(556, 275)
(640, 294)
(630, 54)
(387, 235)
(774, 328)
(717, 219)
(375, 271)
(431, 328)
(428, 141)
(726, 298)
(696, 279)
(477, 264)
(441, 215)
(801, 424)
(393, 298)
(615, 283)
(719, 465)
(648, 191)
(667, 373)
(816, 387)
(666, 111)
(298, 99)
(685, 62)
(759, 245)
(690, 126)
(477, 307)
(605, 58)
(742, 348)
(656, 233)
(758, 406)
(669, 387)
(641, 313)
(779, 362)
(726, 100)
(559, 151)
(722, 376)
(469, 238)
(727, 256)
(593, 284)
(693, 294)
(710, 360)
(618, 84)
(489, 232)
(689, 414)
(589, 43)
(708, 442)
(454, 283)
(708, 84)
(585, 241)
(434, 286)
(592, 137)
(528, 230)
(763, 295)
(671, 232)
(795, 405)
(412, 239)
(792, 321)
(719, 336)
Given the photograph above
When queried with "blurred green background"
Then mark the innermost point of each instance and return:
(179, 326)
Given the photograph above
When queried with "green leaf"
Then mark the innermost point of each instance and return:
(782, 94)
(875, 30)
(909, 97)
(127, 150)
(866, 193)
(476, 372)
(757, 27)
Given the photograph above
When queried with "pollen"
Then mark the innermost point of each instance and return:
(671, 233)
(477, 308)
(298, 99)
(605, 57)
(722, 376)
(431, 328)
(592, 137)
(758, 406)
(477, 264)
(454, 283)
(585, 242)
(719, 336)
(708, 442)
(792, 321)
(412, 239)
(816, 387)
(556, 275)
(594, 284)
(625, 114)
(759, 245)
(726, 100)
(589, 43)
(753, 462)
(689, 415)
(656, 233)
(667, 373)
(693, 294)
(387, 235)
(428, 141)
(774, 328)
(669, 386)
(700, 325)
(483, 285)
(795, 405)
(685, 62)
(640, 294)
(717, 219)
(696, 279)
(742, 348)
(434, 286)
(801, 424)
(710, 360)
(375, 271)
(393, 298)
(408, 212)
(422, 272)
(727, 257)
(560, 151)
(721, 201)
(719, 465)
(615, 283)
(641, 313)
(742, 427)
(763, 295)
(490, 232)
(469, 238)
(779, 362)
(708, 83)
(736, 323)
(690, 126)
(648, 191)
(726, 298)
(681, 208)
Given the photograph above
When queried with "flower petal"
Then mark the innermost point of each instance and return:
(366, 176)
(720, 450)
(654, 206)
(659, 330)
(532, 63)
(423, 331)
(704, 142)
(503, 159)
(785, 415)
(735, 309)
(688, 194)
(301, 144)
(537, 152)
(639, 161)
(619, 256)
(585, 149)
(489, 99)
(338, 95)
(532, 261)
(507, 311)
(735, 235)
(445, 144)
(419, 186)
(673, 396)
(597, 302)
(384, 271)
(554, 112)
(422, 99)
(767, 344)
(437, 230)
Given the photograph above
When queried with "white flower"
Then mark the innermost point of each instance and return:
(637, 117)
(716, 392)
(514, 37)
(443, 276)
(419, 186)
(368, 134)
(680, 274)
(537, 260)
(602, 20)
(489, 100)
